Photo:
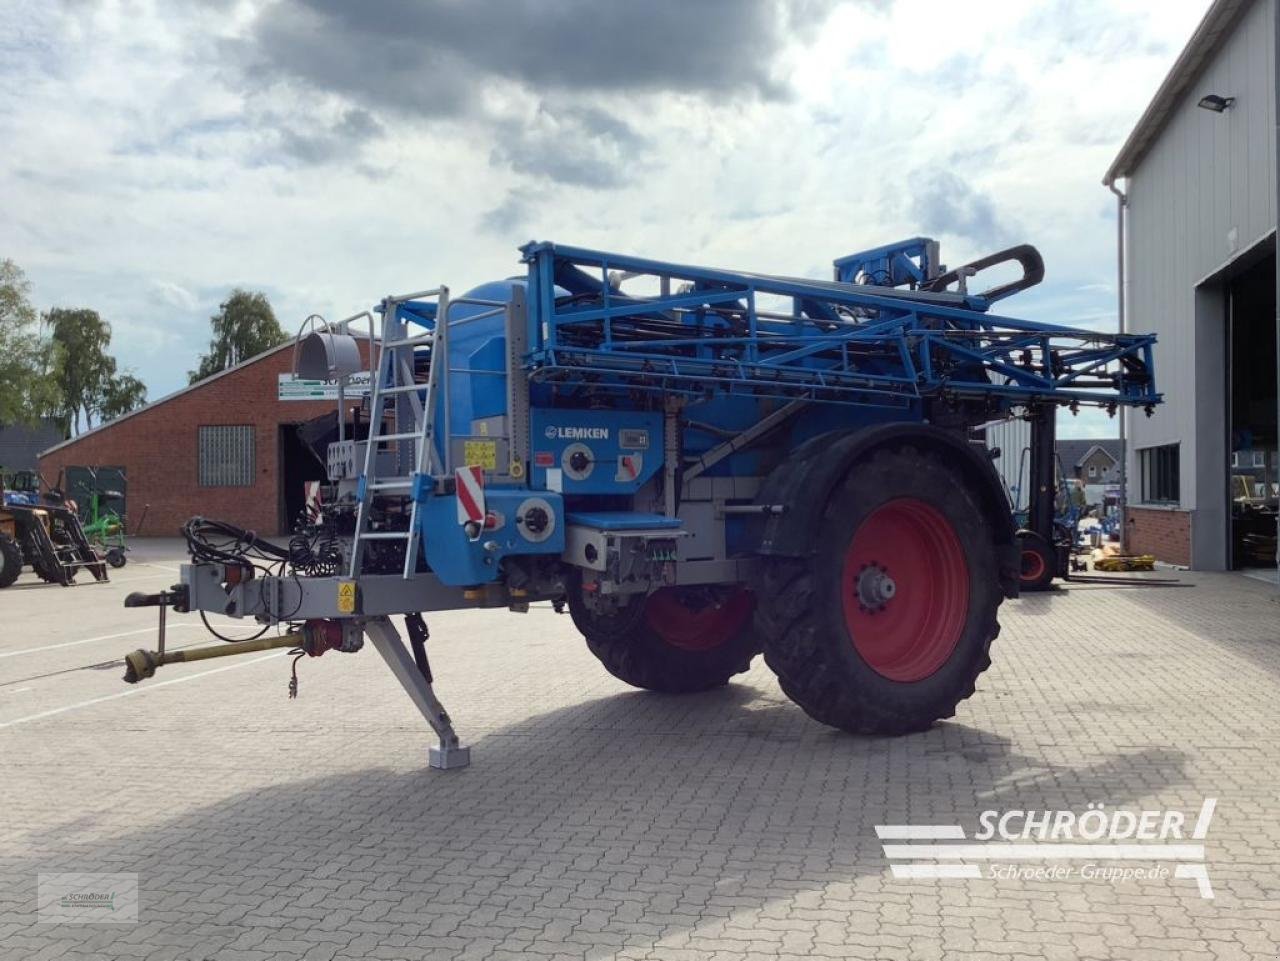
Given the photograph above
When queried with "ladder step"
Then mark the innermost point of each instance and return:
(412, 435)
(402, 389)
(390, 485)
(384, 535)
(409, 341)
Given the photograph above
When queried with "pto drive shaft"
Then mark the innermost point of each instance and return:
(141, 665)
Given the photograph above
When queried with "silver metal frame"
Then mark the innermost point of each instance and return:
(276, 599)
(289, 598)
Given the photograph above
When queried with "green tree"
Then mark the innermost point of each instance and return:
(90, 383)
(122, 394)
(87, 366)
(30, 365)
(245, 325)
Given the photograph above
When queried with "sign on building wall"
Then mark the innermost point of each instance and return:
(294, 388)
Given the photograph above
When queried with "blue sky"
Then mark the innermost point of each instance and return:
(328, 153)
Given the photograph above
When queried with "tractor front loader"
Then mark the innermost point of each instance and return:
(43, 530)
(701, 465)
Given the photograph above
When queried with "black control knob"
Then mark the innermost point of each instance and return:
(579, 461)
(535, 520)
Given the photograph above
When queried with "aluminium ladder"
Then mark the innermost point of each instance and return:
(395, 378)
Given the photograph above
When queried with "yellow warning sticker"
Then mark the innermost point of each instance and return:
(481, 453)
(346, 597)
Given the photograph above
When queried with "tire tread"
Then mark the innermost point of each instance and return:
(798, 643)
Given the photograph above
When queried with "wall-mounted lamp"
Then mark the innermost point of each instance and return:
(1211, 101)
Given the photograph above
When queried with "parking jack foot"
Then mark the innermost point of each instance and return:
(445, 758)
(449, 754)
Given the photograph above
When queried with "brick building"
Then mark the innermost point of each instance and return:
(226, 448)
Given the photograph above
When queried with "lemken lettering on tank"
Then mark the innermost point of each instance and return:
(577, 433)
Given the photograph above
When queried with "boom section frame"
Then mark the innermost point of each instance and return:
(698, 331)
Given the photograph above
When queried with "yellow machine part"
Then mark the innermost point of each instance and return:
(1125, 562)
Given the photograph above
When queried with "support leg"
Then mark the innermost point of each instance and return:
(450, 753)
(1044, 423)
(1044, 484)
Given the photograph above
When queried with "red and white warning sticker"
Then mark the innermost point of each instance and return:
(470, 490)
(312, 500)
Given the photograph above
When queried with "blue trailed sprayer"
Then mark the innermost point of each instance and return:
(699, 465)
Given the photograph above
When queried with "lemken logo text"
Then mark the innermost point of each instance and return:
(577, 433)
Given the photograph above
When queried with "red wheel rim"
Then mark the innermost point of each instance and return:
(692, 628)
(905, 589)
(1033, 566)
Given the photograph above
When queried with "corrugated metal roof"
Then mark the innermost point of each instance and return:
(1221, 17)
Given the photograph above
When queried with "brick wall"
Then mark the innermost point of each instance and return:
(158, 449)
(1164, 533)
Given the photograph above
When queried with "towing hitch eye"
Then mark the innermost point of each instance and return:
(177, 597)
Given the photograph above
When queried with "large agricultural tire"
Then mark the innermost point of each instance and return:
(676, 640)
(10, 561)
(886, 625)
(51, 577)
(1038, 561)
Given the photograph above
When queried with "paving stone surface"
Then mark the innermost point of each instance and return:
(597, 822)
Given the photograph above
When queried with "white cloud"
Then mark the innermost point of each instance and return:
(168, 294)
(148, 170)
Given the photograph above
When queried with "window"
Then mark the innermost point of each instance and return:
(226, 456)
(1235, 458)
(1259, 458)
(1159, 467)
(1093, 470)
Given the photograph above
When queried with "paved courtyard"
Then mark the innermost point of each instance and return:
(598, 822)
